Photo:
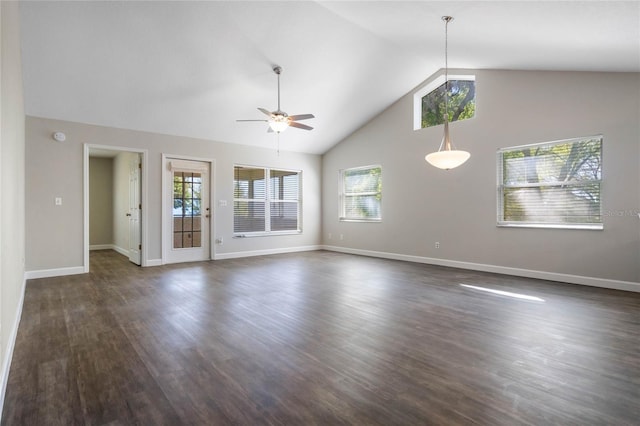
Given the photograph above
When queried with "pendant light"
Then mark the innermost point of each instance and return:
(447, 156)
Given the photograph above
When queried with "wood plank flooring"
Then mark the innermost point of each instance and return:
(320, 338)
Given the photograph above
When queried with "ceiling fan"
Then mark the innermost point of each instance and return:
(279, 120)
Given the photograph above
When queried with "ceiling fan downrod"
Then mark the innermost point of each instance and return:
(278, 69)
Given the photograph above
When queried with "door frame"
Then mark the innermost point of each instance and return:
(144, 154)
(167, 232)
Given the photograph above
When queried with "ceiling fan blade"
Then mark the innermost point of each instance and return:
(300, 126)
(254, 120)
(301, 117)
(264, 111)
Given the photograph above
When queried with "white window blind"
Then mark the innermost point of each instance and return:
(265, 201)
(361, 193)
(554, 184)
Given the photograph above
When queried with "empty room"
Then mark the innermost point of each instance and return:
(320, 212)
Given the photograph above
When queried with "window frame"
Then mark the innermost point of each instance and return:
(342, 195)
(500, 222)
(267, 201)
(430, 87)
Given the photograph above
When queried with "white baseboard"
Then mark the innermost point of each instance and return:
(114, 247)
(505, 270)
(6, 364)
(120, 250)
(58, 272)
(102, 247)
(153, 262)
(252, 253)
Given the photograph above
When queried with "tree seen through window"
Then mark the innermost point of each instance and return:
(462, 103)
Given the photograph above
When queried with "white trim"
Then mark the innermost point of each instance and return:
(505, 270)
(240, 254)
(113, 247)
(58, 272)
(6, 365)
(154, 262)
(144, 199)
(101, 247)
(122, 251)
(85, 209)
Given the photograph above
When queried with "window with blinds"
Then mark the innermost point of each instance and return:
(361, 194)
(265, 201)
(551, 185)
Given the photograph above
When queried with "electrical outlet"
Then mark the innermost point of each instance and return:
(341, 237)
(330, 235)
(437, 244)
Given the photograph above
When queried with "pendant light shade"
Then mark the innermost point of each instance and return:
(447, 157)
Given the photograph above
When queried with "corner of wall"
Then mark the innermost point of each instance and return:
(12, 167)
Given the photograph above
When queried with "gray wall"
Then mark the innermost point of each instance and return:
(422, 204)
(55, 233)
(100, 201)
(12, 171)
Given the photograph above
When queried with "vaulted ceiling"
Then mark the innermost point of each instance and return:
(192, 68)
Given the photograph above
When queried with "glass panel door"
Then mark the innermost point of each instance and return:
(187, 215)
(187, 210)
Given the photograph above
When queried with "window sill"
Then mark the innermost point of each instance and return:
(361, 220)
(588, 227)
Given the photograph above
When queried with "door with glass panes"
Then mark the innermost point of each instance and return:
(190, 213)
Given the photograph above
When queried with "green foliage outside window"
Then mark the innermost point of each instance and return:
(554, 183)
(362, 193)
(462, 103)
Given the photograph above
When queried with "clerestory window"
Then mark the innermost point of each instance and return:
(429, 102)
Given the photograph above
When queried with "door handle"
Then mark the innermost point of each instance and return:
(128, 214)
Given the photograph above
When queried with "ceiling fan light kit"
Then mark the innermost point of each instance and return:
(279, 123)
(447, 157)
(279, 120)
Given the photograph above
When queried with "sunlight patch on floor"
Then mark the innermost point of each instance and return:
(505, 293)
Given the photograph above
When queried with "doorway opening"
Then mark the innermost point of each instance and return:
(115, 193)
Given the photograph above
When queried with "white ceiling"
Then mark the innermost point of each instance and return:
(193, 68)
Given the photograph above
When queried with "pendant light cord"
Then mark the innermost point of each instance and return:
(446, 20)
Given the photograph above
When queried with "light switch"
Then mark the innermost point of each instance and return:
(222, 203)
(58, 201)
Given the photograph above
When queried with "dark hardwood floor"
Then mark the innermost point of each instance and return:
(320, 338)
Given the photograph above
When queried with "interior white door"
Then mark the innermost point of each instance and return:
(188, 212)
(135, 237)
